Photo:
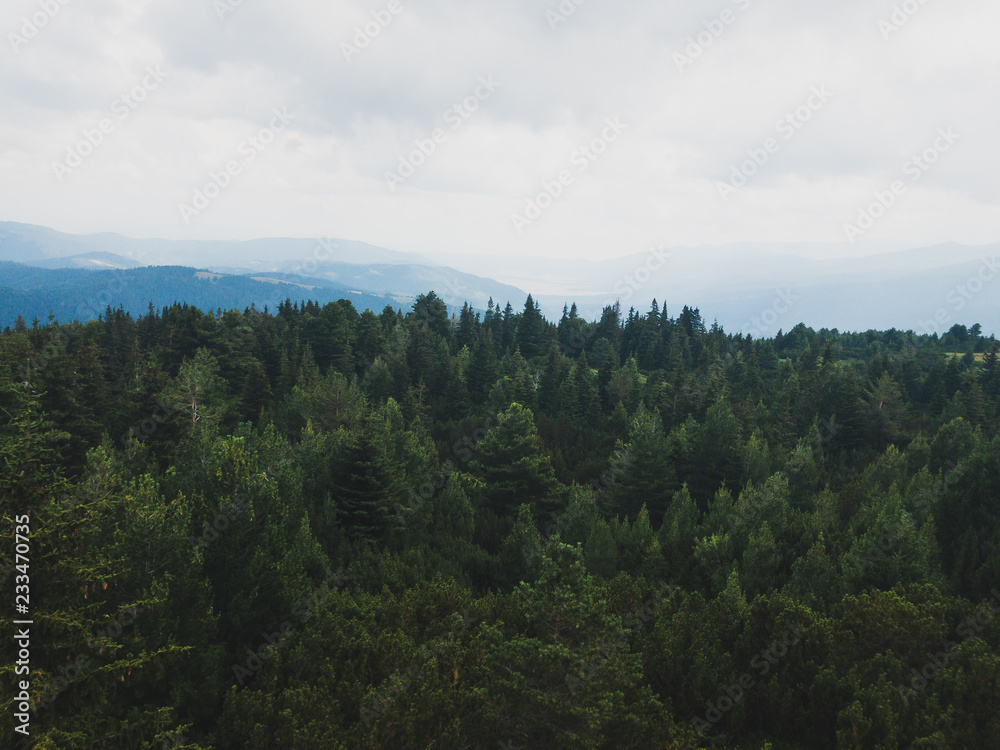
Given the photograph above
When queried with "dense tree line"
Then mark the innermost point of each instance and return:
(315, 527)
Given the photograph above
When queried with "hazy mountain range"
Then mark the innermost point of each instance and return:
(750, 287)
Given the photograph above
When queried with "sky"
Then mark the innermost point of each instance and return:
(583, 129)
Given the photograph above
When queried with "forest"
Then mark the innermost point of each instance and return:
(314, 527)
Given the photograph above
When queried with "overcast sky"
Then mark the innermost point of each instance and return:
(666, 98)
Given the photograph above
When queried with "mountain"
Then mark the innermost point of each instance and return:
(75, 294)
(27, 243)
(745, 286)
(401, 280)
(750, 287)
(362, 267)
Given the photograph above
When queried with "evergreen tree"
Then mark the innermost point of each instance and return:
(514, 468)
(483, 368)
(198, 393)
(641, 470)
(366, 487)
(530, 330)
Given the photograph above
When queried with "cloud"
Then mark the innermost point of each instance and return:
(751, 63)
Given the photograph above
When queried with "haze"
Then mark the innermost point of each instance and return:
(509, 101)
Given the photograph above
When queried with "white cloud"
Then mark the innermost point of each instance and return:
(656, 185)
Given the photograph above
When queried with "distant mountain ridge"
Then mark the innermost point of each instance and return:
(77, 294)
(754, 288)
(743, 286)
(358, 266)
(28, 243)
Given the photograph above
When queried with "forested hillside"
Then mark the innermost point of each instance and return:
(318, 528)
(78, 294)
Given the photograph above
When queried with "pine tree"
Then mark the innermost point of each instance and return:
(550, 381)
(198, 393)
(366, 487)
(530, 329)
(483, 368)
(601, 552)
(641, 470)
(508, 330)
(514, 468)
(468, 328)
(256, 392)
(567, 677)
(431, 312)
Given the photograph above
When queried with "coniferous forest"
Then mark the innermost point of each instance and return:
(312, 527)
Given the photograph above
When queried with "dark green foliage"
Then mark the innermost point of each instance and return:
(310, 527)
(512, 467)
